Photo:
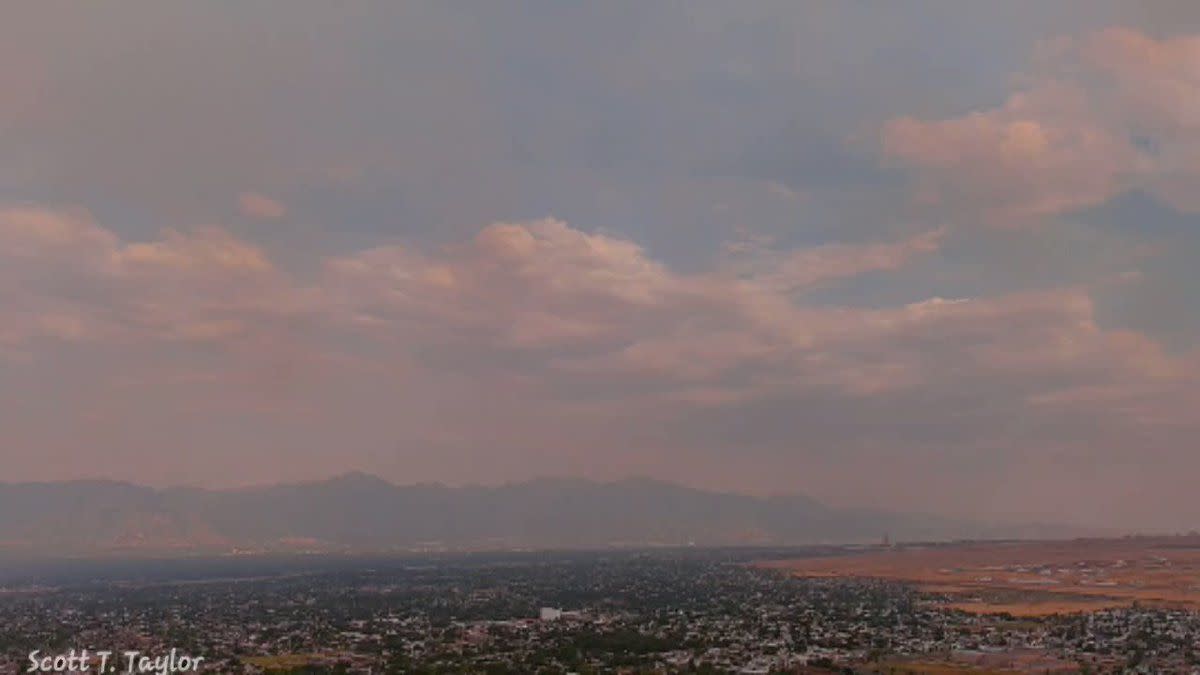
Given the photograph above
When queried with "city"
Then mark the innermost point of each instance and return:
(633, 612)
(626, 337)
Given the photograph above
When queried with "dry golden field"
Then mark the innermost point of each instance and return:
(1031, 578)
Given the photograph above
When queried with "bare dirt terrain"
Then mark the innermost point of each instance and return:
(1032, 578)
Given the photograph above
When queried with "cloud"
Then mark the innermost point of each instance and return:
(67, 276)
(539, 335)
(592, 314)
(1039, 154)
(260, 207)
(723, 370)
(866, 322)
(600, 315)
(31, 233)
(1097, 116)
(794, 270)
(1151, 90)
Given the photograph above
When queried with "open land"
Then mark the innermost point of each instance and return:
(1037, 578)
(661, 611)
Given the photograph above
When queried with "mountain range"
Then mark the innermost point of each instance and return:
(362, 513)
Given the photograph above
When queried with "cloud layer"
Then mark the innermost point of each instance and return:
(936, 261)
(1099, 115)
(556, 332)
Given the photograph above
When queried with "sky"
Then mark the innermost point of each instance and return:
(932, 256)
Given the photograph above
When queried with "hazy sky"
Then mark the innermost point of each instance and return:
(937, 256)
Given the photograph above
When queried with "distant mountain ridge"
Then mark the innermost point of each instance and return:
(360, 512)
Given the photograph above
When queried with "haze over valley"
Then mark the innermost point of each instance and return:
(358, 513)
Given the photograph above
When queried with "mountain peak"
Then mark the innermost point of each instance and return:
(357, 478)
(358, 511)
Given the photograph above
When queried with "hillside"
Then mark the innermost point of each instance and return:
(359, 512)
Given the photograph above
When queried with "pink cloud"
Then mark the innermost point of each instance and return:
(579, 305)
(72, 278)
(540, 335)
(1032, 157)
(544, 287)
(1064, 140)
(260, 207)
(806, 268)
(204, 250)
